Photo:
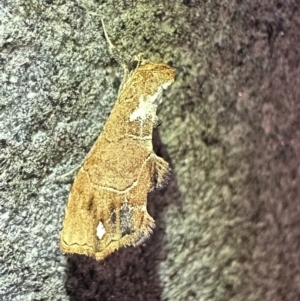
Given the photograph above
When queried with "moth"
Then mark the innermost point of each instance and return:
(107, 204)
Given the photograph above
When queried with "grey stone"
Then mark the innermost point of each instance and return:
(227, 224)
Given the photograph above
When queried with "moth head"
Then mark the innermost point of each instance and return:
(158, 77)
(154, 78)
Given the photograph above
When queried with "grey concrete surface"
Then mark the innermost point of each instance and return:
(228, 222)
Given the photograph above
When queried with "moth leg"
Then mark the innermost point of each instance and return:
(140, 60)
(160, 172)
(157, 122)
(68, 176)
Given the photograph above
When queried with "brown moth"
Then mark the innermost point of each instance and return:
(107, 205)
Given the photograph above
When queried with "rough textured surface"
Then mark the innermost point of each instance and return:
(228, 222)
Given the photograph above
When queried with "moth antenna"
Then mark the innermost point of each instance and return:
(114, 52)
(111, 46)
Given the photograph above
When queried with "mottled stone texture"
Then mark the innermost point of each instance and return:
(228, 225)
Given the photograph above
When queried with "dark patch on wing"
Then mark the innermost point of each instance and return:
(113, 217)
(126, 222)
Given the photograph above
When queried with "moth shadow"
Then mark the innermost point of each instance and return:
(130, 273)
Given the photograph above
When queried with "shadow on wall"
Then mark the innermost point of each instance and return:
(129, 273)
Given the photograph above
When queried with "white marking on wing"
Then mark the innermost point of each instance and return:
(142, 111)
(100, 230)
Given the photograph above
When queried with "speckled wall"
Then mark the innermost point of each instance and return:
(227, 225)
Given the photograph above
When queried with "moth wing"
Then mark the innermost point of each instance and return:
(77, 235)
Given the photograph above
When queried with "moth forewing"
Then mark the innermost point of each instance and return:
(107, 205)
